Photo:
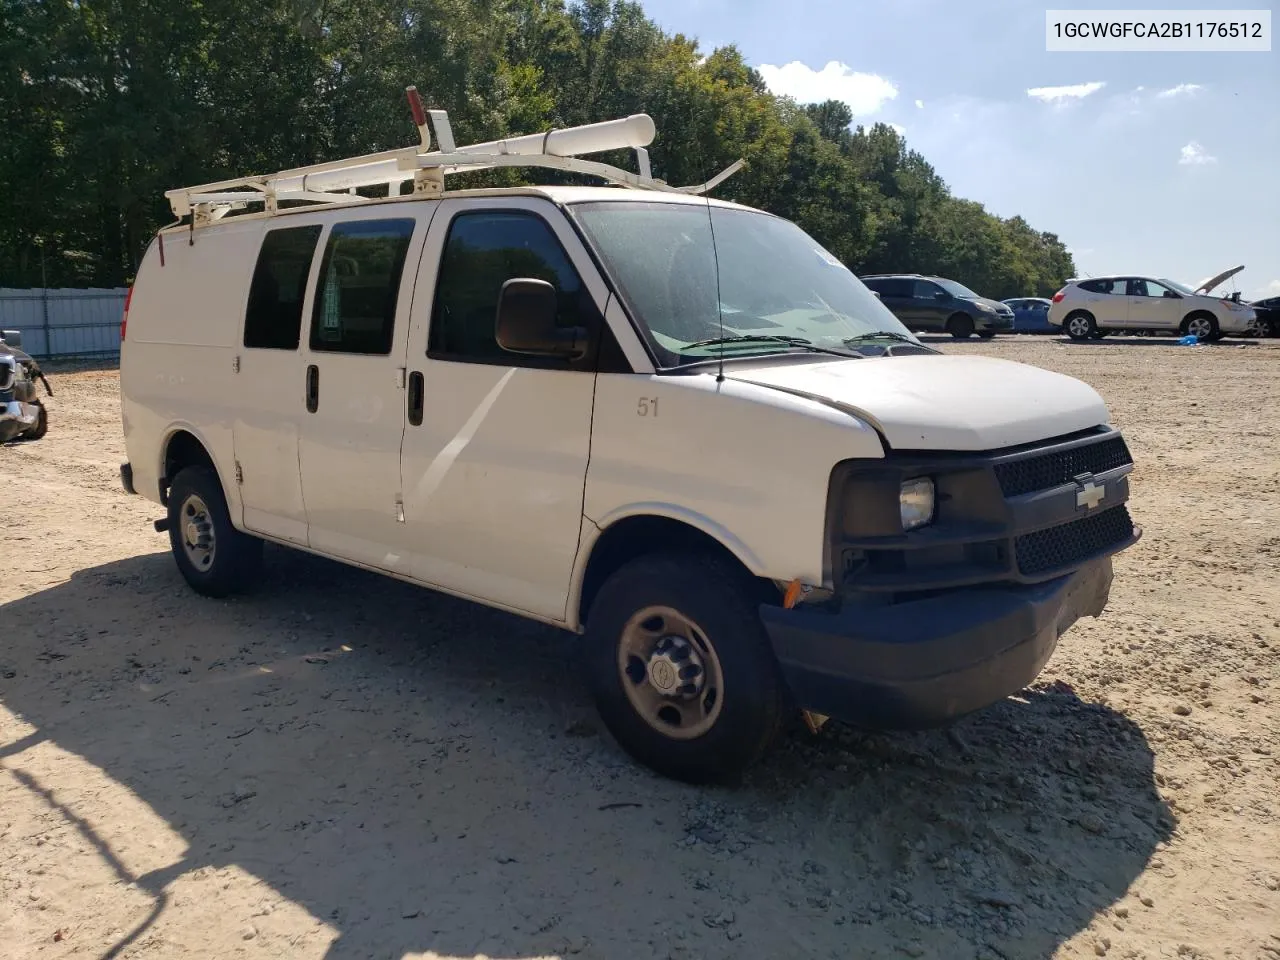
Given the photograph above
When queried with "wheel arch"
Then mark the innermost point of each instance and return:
(183, 446)
(655, 529)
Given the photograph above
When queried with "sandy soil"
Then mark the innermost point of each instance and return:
(342, 766)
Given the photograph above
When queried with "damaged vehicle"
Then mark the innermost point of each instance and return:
(23, 415)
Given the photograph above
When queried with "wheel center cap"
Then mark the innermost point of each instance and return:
(663, 675)
(193, 534)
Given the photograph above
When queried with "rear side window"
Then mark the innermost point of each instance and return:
(897, 287)
(355, 304)
(924, 290)
(273, 317)
(1116, 287)
(874, 283)
(482, 252)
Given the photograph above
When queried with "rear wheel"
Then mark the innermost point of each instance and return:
(1204, 326)
(1080, 325)
(681, 669)
(214, 557)
(960, 326)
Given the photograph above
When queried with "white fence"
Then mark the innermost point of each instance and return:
(65, 323)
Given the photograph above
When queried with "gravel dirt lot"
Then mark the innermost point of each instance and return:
(343, 766)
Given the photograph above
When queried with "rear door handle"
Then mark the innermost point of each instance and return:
(415, 392)
(313, 388)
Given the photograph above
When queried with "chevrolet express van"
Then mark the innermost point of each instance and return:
(674, 425)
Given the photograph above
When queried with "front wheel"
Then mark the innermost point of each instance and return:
(214, 557)
(1203, 326)
(960, 326)
(681, 669)
(986, 334)
(41, 427)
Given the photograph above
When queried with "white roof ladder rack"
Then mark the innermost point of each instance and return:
(337, 181)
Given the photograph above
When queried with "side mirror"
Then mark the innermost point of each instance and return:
(526, 321)
(876, 294)
(12, 337)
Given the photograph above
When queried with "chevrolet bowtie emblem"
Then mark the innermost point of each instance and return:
(1090, 494)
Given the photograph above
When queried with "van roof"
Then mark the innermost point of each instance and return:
(560, 195)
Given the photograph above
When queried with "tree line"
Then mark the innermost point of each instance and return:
(105, 104)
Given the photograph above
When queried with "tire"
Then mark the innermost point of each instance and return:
(1258, 329)
(960, 326)
(42, 425)
(986, 334)
(228, 561)
(1203, 325)
(734, 717)
(1080, 325)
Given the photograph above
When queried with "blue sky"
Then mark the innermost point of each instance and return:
(1165, 164)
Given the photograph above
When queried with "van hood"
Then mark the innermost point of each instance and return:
(943, 402)
(999, 306)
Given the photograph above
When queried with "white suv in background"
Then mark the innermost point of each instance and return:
(1088, 309)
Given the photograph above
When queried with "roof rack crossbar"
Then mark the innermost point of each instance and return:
(335, 181)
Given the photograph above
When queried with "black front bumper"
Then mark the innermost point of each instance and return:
(927, 662)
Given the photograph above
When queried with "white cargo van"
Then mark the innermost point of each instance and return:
(677, 426)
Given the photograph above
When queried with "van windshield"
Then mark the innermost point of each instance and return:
(957, 289)
(778, 288)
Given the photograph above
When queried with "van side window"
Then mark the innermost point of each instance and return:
(355, 304)
(273, 316)
(482, 252)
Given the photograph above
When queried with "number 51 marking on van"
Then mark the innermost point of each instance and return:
(647, 407)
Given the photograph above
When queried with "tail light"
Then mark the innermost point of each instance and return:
(1057, 297)
(124, 320)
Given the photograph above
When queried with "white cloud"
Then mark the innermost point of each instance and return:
(919, 104)
(1194, 155)
(865, 93)
(1181, 90)
(1076, 91)
(899, 129)
(1272, 289)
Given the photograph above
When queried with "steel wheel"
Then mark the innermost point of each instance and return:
(198, 539)
(671, 673)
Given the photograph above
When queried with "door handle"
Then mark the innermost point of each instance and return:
(313, 388)
(415, 392)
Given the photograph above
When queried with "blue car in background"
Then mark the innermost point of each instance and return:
(1030, 314)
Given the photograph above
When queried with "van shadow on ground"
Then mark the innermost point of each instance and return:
(440, 787)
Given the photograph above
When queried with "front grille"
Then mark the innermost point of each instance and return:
(1071, 543)
(1018, 477)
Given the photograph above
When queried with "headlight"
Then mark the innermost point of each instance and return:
(986, 308)
(916, 501)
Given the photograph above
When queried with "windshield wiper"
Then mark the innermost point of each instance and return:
(769, 338)
(878, 335)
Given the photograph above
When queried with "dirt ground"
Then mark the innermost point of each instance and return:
(342, 766)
